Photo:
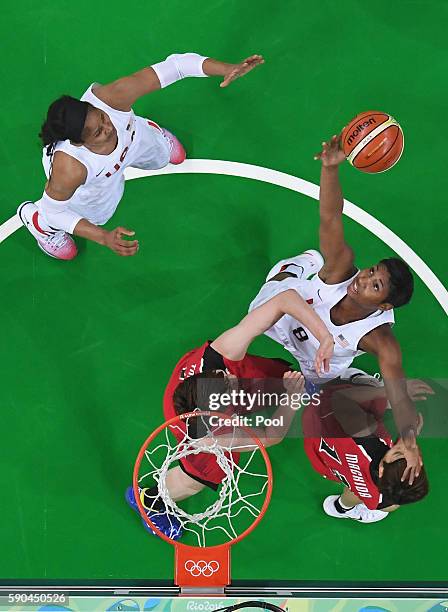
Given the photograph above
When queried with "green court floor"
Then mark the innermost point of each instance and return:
(88, 346)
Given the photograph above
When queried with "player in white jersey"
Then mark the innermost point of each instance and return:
(89, 142)
(355, 305)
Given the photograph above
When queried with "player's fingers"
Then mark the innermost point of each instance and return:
(124, 244)
(419, 387)
(407, 474)
(227, 79)
(127, 248)
(426, 388)
(125, 231)
(126, 252)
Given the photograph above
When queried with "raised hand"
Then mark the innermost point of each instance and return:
(238, 70)
(331, 154)
(418, 389)
(414, 462)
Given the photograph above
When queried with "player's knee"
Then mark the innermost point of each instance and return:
(195, 487)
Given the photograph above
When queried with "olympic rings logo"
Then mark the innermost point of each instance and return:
(201, 568)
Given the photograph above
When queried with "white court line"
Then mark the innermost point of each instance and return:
(281, 179)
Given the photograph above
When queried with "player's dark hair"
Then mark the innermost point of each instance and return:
(397, 492)
(194, 392)
(65, 120)
(401, 281)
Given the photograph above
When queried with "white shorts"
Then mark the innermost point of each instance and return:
(151, 151)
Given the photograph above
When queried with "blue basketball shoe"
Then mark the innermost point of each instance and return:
(167, 523)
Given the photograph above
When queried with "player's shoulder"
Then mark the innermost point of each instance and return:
(380, 339)
(65, 163)
(67, 171)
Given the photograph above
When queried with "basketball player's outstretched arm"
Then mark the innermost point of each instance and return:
(122, 94)
(234, 342)
(337, 254)
(382, 343)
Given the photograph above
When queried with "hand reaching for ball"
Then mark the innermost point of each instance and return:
(331, 154)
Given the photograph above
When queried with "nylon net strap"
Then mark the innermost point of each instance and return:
(232, 498)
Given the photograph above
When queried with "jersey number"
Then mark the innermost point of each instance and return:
(300, 334)
(341, 477)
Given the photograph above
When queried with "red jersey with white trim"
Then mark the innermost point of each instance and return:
(343, 459)
(251, 370)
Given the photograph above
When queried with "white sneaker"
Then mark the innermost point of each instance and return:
(355, 376)
(57, 244)
(359, 513)
(304, 265)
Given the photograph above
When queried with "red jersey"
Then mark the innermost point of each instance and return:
(343, 459)
(251, 369)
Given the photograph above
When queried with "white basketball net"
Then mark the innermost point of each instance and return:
(233, 498)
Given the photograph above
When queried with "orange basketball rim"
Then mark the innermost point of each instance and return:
(203, 567)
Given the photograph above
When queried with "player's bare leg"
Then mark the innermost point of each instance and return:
(180, 485)
(349, 499)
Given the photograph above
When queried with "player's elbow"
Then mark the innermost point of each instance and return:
(287, 299)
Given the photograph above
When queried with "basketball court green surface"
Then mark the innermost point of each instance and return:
(88, 346)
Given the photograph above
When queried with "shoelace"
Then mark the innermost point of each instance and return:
(58, 239)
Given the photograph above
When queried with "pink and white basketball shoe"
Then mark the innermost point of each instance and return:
(177, 151)
(57, 244)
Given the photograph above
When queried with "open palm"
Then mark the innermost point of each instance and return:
(238, 70)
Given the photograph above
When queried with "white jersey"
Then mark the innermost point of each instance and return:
(298, 339)
(140, 143)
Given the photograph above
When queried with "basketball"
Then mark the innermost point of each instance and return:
(373, 141)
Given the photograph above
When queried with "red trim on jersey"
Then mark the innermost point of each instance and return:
(154, 124)
(35, 221)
